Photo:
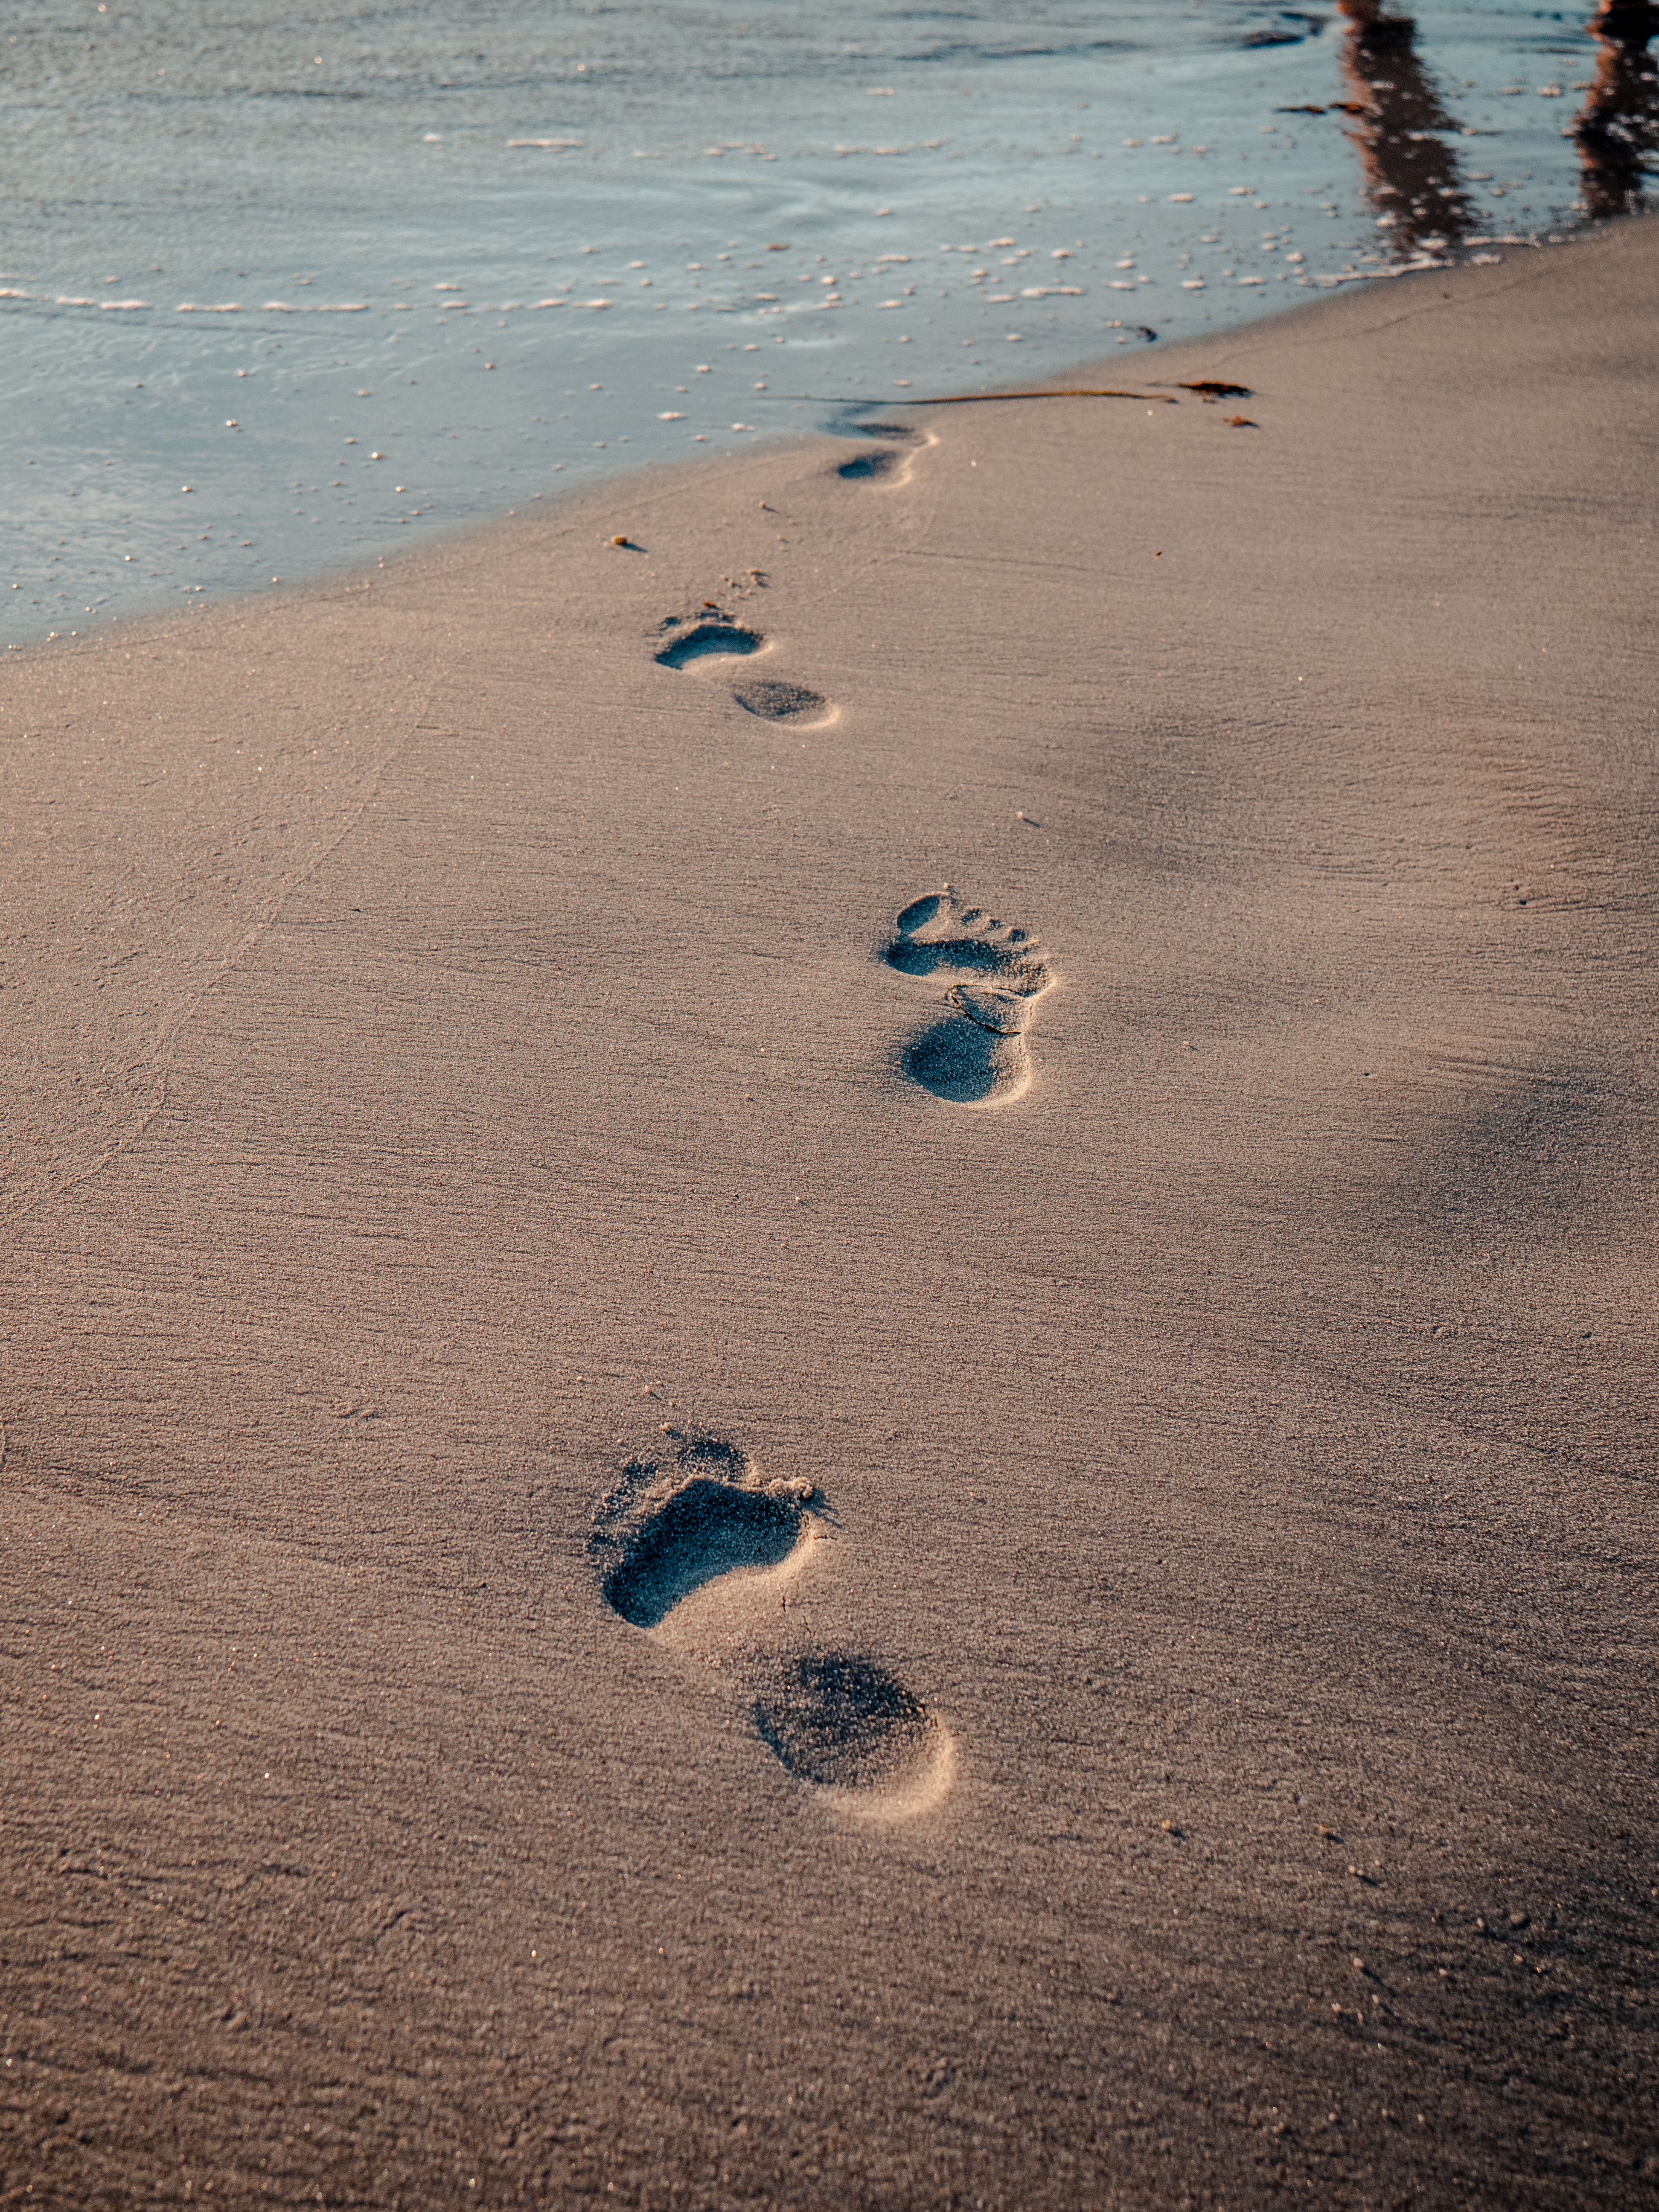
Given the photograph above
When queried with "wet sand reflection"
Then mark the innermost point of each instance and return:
(1618, 132)
(1411, 174)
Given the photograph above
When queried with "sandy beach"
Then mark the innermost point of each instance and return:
(828, 1318)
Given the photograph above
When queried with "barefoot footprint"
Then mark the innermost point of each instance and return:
(890, 463)
(841, 1721)
(719, 637)
(671, 1526)
(694, 1546)
(975, 1056)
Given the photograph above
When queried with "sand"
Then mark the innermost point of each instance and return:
(690, 1522)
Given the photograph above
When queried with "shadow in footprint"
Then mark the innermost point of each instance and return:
(720, 638)
(705, 1530)
(706, 639)
(780, 703)
(889, 463)
(835, 1719)
(863, 467)
(665, 1530)
(958, 1060)
(935, 936)
(843, 1722)
(976, 1055)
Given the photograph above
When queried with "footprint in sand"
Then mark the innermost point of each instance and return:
(976, 1055)
(697, 1548)
(673, 1526)
(709, 641)
(722, 639)
(890, 463)
(783, 703)
(845, 1726)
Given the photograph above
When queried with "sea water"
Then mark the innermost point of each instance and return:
(284, 293)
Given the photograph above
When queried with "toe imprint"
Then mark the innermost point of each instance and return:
(975, 1056)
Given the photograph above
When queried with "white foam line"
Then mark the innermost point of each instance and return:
(553, 145)
(111, 306)
(191, 308)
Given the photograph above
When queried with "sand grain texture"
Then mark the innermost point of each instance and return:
(453, 1056)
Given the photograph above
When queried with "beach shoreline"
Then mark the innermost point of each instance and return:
(827, 1313)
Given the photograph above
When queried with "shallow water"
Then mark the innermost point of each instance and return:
(279, 298)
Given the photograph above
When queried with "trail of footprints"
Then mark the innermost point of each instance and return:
(694, 1546)
(712, 635)
(697, 1548)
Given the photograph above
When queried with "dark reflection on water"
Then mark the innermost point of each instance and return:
(670, 229)
(1287, 27)
(1618, 132)
(1410, 173)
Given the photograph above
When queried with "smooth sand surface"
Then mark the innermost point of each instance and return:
(1131, 1672)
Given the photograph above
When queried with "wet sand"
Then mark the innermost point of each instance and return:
(689, 1521)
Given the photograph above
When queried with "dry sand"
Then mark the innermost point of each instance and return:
(608, 1596)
